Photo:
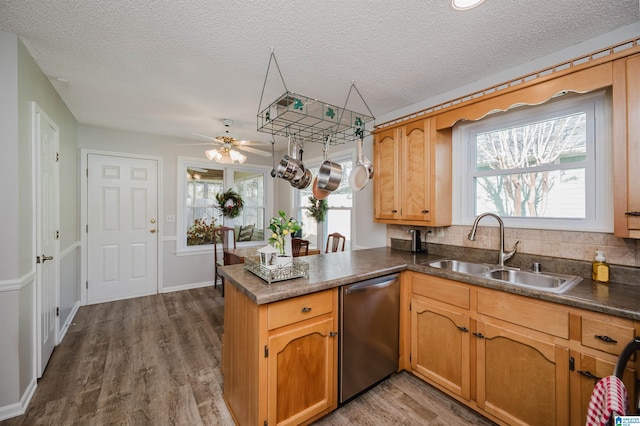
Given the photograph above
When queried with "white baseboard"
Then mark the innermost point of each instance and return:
(187, 286)
(67, 323)
(19, 408)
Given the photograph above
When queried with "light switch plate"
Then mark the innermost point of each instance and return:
(171, 218)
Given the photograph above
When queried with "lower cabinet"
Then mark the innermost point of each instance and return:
(521, 380)
(279, 360)
(514, 359)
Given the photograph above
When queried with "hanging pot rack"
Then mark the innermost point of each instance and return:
(310, 119)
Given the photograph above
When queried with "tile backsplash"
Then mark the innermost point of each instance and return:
(561, 244)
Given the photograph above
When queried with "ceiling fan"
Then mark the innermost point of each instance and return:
(225, 154)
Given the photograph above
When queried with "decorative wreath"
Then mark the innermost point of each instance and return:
(317, 209)
(229, 203)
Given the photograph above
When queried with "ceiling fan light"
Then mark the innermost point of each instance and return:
(465, 4)
(212, 153)
(237, 157)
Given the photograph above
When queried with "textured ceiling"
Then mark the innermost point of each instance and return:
(178, 67)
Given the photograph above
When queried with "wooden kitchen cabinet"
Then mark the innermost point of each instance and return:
(279, 360)
(626, 146)
(602, 338)
(521, 379)
(412, 164)
(440, 333)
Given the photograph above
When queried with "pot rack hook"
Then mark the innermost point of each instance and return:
(359, 130)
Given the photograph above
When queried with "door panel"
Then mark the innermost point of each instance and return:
(122, 227)
(47, 223)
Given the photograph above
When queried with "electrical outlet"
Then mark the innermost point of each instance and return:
(439, 232)
(171, 218)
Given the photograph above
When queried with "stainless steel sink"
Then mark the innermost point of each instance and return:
(555, 283)
(460, 266)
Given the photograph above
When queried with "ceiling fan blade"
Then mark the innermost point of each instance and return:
(211, 138)
(201, 144)
(253, 150)
(249, 143)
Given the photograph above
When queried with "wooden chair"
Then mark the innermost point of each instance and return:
(224, 235)
(299, 247)
(246, 232)
(333, 240)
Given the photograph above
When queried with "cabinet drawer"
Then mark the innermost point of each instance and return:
(440, 289)
(299, 308)
(535, 315)
(607, 336)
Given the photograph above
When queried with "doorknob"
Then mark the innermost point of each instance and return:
(45, 258)
(152, 221)
(153, 231)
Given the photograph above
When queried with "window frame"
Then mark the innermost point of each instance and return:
(183, 164)
(300, 208)
(598, 168)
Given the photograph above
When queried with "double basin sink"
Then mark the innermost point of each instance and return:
(555, 283)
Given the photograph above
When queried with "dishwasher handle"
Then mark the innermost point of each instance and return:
(367, 286)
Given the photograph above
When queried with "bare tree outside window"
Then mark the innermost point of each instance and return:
(528, 170)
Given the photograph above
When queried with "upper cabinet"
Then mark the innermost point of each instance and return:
(413, 174)
(626, 146)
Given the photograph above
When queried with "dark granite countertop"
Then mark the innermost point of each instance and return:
(335, 269)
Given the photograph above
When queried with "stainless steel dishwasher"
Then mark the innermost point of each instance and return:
(369, 334)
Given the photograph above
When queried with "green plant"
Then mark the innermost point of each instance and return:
(317, 209)
(281, 227)
(200, 232)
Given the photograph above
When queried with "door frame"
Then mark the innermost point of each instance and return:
(36, 142)
(84, 213)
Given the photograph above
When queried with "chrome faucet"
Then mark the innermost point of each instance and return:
(502, 256)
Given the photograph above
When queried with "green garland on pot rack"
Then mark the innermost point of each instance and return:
(229, 203)
(317, 209)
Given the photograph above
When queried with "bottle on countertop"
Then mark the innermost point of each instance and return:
(600, 269)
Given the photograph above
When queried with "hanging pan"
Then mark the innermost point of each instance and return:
(362, 172)
(330, 173)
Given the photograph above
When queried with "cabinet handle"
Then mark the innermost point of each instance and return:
(606, 339)
(632, 213)
(462, 328)
(305, 309)
(425, 211)
(588, 375)
(333, 333)
(394, 211)
(479, 335)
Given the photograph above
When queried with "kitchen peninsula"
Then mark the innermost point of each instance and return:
(280, 351)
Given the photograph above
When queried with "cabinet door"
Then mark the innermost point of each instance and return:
(302, 372)
(521, 380)
(440, 346)
(387, 168)
(416, 198)
(626, 149)
(586, 371)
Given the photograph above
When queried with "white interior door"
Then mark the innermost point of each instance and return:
(45, 133)
(122, 238)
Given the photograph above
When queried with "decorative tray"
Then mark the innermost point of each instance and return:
(297, 269)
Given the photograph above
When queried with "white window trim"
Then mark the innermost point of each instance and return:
(322, 232)
(599, 200)
(181, 248)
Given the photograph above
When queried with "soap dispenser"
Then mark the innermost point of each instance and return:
(600, 270)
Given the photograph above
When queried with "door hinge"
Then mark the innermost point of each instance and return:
(266, 351)
(572, 364)
(57, 235)
(409, 306)
(86, 171)
(58, 311)
(86, 229)
(409, 358)
(38, 259)
(86, 285)
(57, 157)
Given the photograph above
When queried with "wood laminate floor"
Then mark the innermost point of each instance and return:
(156, 361)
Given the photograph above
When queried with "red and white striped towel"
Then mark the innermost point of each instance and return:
(609, 396)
